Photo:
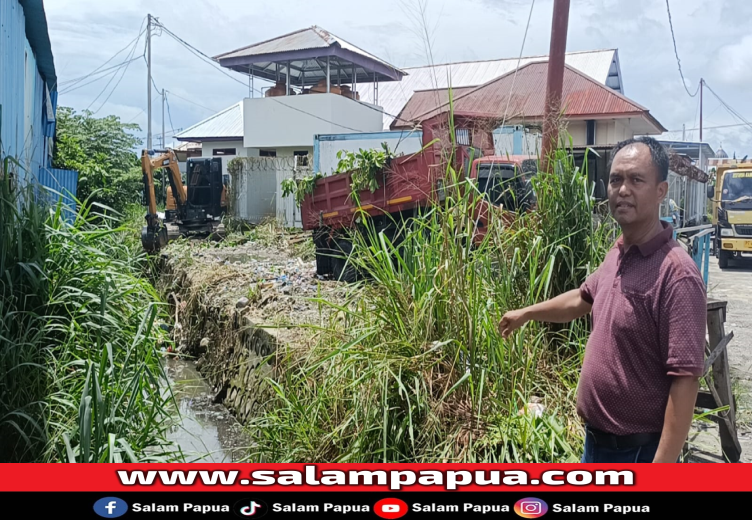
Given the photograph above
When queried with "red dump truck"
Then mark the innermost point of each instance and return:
(412, 182)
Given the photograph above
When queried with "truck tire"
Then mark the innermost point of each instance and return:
(342, 269)
(323, 253)
(723, 258)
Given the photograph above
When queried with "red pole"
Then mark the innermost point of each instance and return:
(555, 79)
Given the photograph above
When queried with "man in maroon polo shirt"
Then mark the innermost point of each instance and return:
(645, 353)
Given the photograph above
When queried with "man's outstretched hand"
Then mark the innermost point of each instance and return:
(511, 321)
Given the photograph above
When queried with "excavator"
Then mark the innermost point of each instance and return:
(192, 209)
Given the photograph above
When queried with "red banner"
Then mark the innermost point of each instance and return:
(375, 477)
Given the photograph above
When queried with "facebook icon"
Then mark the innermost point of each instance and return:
(110, 507)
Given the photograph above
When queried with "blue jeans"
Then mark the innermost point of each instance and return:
(594, 453)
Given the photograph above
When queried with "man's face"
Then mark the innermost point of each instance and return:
(634, 187)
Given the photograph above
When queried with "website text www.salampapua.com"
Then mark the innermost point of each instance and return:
(394, 479)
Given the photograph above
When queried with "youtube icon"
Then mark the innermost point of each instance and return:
(390, 508)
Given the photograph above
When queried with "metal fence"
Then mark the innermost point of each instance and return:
(690, 199)
(697, 241)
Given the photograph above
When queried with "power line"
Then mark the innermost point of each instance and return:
(125, 69)
(117, 67)
(711, 127)
(197, 104)
(169, 114)
(519, 59)
(97, 70)
(678, 61)
(214, 64)
(108, 69)
(728, 108)
(134, 117)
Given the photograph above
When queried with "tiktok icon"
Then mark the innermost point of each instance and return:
(254, 508)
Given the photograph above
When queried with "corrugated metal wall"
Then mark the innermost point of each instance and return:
(56, 184)
(22, 95)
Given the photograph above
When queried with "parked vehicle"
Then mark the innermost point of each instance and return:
(732, 211)
(409, 183)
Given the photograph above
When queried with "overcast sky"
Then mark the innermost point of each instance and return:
(712, 36)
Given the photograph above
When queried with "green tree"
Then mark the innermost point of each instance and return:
(101, 150)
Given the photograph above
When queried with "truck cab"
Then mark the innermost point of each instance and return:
(505, 183)
(732, 211)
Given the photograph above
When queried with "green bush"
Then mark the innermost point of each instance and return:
(412, 368)
(80, 377)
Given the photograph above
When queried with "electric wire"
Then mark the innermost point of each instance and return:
(519, 59)
(213, 110)
(74, 81)
(676, 52)
(125, 69)
(99, 75)
(211, 61)
(729, 108)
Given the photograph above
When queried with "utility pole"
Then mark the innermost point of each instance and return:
(555, 80)
(148, 81)
(164, 145)
(701, 85)
(699, 154)
(684, 132)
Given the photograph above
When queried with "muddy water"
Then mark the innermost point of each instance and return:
(204, 431)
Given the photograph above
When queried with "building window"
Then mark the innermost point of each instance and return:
(590, 132)
(463, 136)
(223, 151)
(267, 153)
(303, 154)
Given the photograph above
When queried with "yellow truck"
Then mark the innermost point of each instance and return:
(732, 211)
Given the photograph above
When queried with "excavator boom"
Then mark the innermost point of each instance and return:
(198, 216)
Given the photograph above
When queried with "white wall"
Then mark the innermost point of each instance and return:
(208, 146)
(269, 123)
(578, 131)
(400, 142)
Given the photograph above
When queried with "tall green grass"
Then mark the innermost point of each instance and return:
(413, 368)
(79, 368)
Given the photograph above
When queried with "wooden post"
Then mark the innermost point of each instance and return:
(720, 382)
(555, 80)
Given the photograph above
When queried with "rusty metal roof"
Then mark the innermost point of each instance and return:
(682, 165)
(522, 97)
(601, 65)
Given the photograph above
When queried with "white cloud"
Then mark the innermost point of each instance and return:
(733, 63)
(711, 38)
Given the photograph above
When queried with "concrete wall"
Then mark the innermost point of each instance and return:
(294, 120)
(612, 131)
(325, 147)
(208, 146)
(578, 131)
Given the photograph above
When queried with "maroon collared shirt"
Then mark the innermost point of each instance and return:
(648, 325)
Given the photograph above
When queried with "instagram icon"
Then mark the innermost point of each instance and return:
(530, 507)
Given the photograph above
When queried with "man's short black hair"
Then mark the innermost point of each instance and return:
(657, 154)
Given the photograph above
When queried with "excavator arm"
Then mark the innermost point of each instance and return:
(154, 234)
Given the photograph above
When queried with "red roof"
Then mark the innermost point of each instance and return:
(582, 98)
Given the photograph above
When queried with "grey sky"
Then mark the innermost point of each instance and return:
(712, 36)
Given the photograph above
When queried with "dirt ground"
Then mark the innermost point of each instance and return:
(733, 285)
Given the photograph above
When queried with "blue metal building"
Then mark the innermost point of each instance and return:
(28, 96)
